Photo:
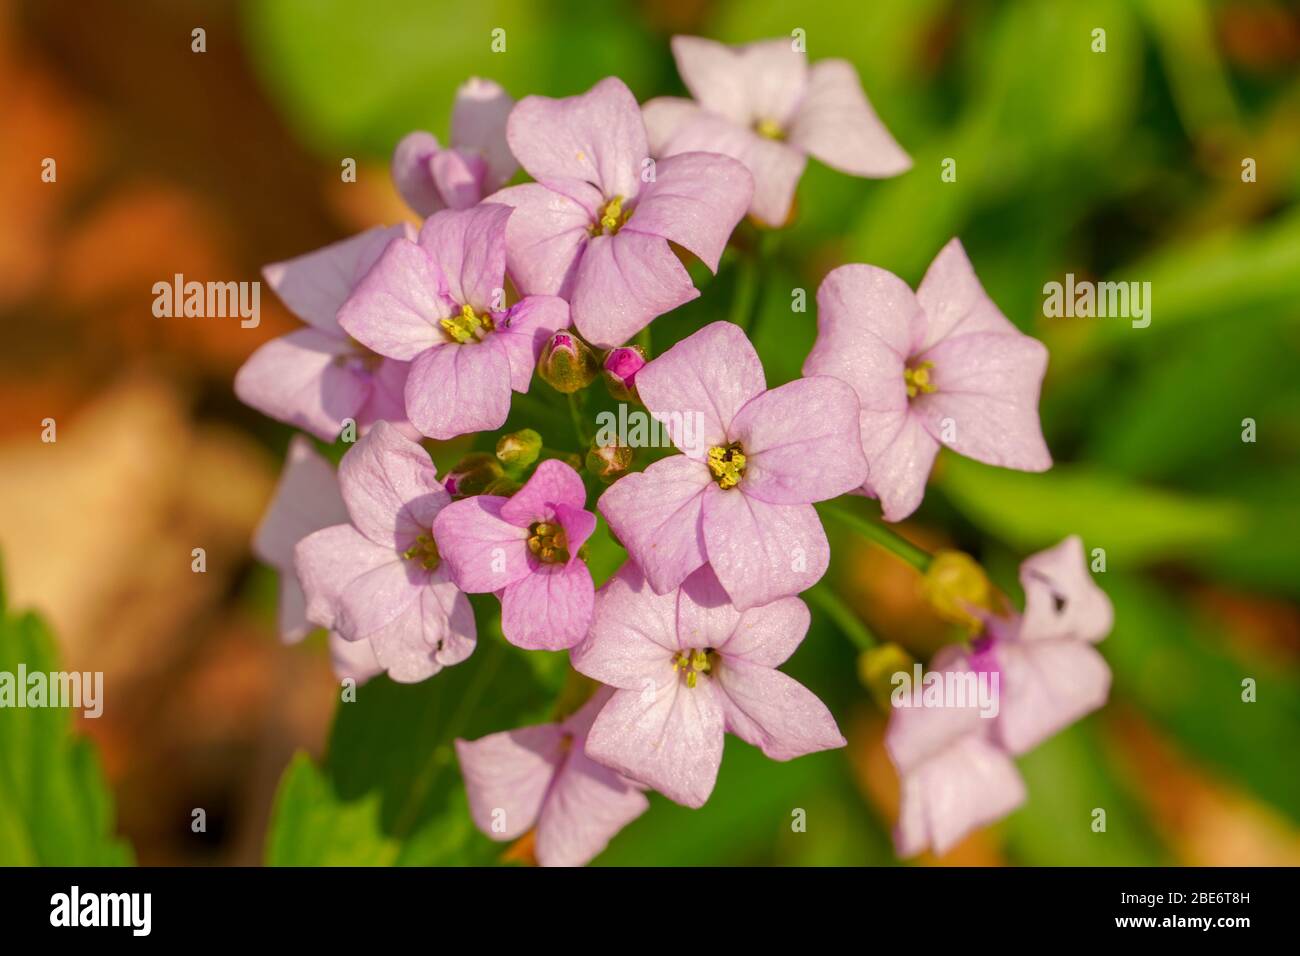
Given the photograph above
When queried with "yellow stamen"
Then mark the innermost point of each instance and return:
(727, 463)
(424, 552)
(769, 129)
(918, 379)
(693, 664)
(612, 218)
(469, 326)
(548, 543)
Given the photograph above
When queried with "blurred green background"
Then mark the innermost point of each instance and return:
(1124, 164)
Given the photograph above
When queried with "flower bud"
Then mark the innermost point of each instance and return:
(505, 486)
(620, 368)
(958, 589)
(472, 475)
(609, 462)
(876, 670)
(567, 363)
(519, 449)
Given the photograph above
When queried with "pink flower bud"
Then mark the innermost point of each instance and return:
(621, 366)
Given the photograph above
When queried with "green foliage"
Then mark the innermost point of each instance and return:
(55, 807)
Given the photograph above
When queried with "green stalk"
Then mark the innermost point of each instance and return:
(877, 533)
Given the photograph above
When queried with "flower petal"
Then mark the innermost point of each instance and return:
(900, 453)
(478, 123)
(587, 806)
(387, 401)
(306, 499)
(549, 609)
(696, 200)
(774, 712)
(623, 282)
(657, 515)
(953, 299)
(836, 123)
(307, 378)
(458, 177)
(596, 137)
(710, 375)
(457, 389)
(316, 284)
(469, 247)
(524, 331)
(545, 238)
(985, 403)
(1046, 685)
(669, 739)
(354, 660)
(1061, 598)
(507, 776)
(633, 634)
(435, 631)
(801, 442)
(768, 634)
(390, 487)
(353, 585)
(553, 483)
(396, 308)
(578, 524)
(482, 551)
(763, 80)
(761, 551)
(412, 172)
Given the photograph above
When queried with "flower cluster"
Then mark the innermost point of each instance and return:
(425, 333)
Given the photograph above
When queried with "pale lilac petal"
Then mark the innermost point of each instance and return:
(549, 609)
(353, 660)
(1046, 685)
(664, 117)
(900, 453)
(457, 389)
(669, 739)
(836, 123)
(760, 551)
(917, 734)
(953, 299)
(695, 201)
(868, 324)
(623, 282)
(458, 177)
(705, 615)
(633, 635)
(316, 284)
(412, 172)
(308, 378)
(387, 402)
(483, 551)
(775, 166)
(768, 634)
(478, 123)
(353, 585)
(968, 785)
(985, 403)
(469, 246)
(553, 483)
(596, 137)
(507, 776)
(437, 630)
(657, 515)
(801, 442)
(710, 375)
(524, 331)
(587, 805)
(774, 712)
(306, 499)
(396, 308)
(545, 238)
(390, 487)
(1061, 598)
(578, 524)
(762, 80)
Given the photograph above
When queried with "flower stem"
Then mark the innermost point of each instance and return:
(845, 618)
(579, 421)
(887, 538)
(746, 292)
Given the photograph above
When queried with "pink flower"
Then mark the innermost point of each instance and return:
(379, 577)
(440, 304)
(525, 548)
(764, 105)
(595, 227)
(740, 497)
(541, 777)
(955, 764)
(307, 499)
(317, 377)
(943, 366)
(477, 162)
(688, 666)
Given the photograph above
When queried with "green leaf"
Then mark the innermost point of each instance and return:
(55, 806)
(1134, 523)
(390, 791)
